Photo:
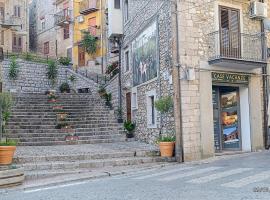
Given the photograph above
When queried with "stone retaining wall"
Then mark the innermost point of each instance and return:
(32, 78)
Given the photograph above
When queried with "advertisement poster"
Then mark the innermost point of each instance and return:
(230, 120)
(145, 59)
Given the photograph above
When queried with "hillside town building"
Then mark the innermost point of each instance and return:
(212, 58)
(14, 23)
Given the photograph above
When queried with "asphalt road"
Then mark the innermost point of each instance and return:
(244, 177)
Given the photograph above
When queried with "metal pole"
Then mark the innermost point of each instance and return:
(119, 41)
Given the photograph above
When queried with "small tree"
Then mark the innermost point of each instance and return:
(164, 106)
(6, 102)
(52, 72)
(13, 69)
(89, 43)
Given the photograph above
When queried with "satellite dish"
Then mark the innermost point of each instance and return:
(266, 23)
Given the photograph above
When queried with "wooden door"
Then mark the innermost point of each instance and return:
(16, 43)
(92, 22)
(81, 56)
(128, 104)
(230, 36)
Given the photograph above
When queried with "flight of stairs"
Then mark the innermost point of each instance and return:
(33, 121)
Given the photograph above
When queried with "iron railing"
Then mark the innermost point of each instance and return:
(9, 21)
(63, 17)
(239, 46)
(88, 6)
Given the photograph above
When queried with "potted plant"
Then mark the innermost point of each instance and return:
(7, 146)
(108, 98)
(73, 80)
(101, 91)
(166, 141)
(52, 98)
(64, 88)
(129, 127)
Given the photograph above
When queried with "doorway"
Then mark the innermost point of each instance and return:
(128, 102)
(226, 106)
(81, 55)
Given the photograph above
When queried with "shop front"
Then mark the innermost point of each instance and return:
(231, 117)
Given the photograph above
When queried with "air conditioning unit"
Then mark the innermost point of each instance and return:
(80, 19)
(258, 10)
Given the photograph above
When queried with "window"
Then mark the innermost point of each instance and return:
(2, 38)
(17, 11)
(127, 60)
(43, 25)
(126, 10)
(66, 32)
(46, 48)
(134, 102)
(19, 41)
(2, 12)
(151, 111)
(117, 4)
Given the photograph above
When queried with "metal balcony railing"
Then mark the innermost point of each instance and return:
(7, 22)
(63, 17)
(239, 46)
(88, 6)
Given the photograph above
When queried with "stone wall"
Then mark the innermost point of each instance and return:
(32, 78)
(141, 15)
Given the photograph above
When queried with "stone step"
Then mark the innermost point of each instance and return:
(52, 143)
(62, 138)
(77, 123)
(77, 157)
(79, 130)
(61, 135)
(88, 164)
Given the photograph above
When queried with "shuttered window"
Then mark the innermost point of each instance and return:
(230, 32)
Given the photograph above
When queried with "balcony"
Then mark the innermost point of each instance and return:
(9, 22)
(237, 50)
(89, 6)
(63, 17)
(94, 31)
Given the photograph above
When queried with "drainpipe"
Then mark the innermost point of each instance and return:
(179, 153)
(265, 90)
(120, 103)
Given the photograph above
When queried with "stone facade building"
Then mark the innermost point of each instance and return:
(211, 57)
(14, 25)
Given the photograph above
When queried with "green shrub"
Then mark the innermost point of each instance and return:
(64, 87)
(28, 56)
(66, 61)
(167, 138)
(72, 78)
(129, 126)
(89, 43)
(8, 143)
(6, 102)
(13, 69)
(52, 71)
(164, 104)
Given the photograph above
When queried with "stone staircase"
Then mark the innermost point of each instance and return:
(33, 121)
(47, 162)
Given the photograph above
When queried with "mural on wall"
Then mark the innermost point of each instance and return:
(145, 55)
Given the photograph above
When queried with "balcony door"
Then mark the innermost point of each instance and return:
(92, 22)
(230, 36)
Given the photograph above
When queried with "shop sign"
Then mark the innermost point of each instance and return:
(229, 78)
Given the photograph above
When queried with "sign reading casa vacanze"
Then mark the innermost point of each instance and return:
(229, 78)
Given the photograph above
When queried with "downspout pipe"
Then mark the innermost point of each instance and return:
(265, 89)
(179, 153)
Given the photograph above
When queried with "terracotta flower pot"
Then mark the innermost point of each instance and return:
(166, 149)
(6, 154)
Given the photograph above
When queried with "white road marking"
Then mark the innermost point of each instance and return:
(192, 173)
(55, 187)
(162, 173)
(219, 175)
(248, 180)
